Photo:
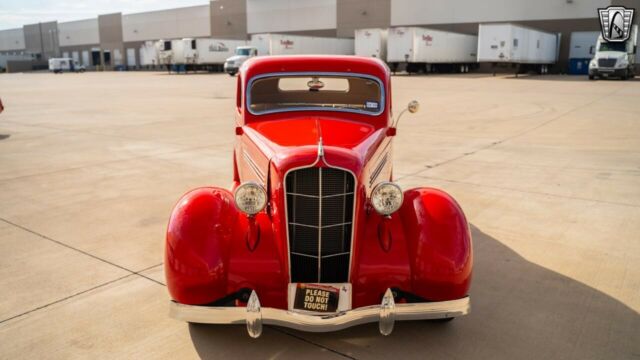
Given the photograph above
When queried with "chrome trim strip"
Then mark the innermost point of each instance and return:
(323, 227)
(315, 197)
(304, 225)
(316, 108)
(320, 214)
(307, 255)
(319, 323)
(333, 255)
(253, 166)
(378, 169)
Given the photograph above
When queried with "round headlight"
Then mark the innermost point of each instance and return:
(250, 198)
(386, 198)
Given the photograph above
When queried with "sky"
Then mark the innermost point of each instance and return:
(15, 13)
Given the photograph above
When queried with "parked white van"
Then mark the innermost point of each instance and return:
(58, 65)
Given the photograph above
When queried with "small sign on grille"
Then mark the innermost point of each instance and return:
(319, 298)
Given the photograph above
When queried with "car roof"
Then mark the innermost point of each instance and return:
(315, 63)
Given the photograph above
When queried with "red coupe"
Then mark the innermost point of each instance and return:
(314, 234)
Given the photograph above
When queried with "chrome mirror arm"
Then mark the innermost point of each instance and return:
(413, 108)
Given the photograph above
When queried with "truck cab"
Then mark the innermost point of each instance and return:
(232, 64)
(615, 59)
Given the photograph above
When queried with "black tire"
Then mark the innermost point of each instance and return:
(232, 74)
(591, 77)
(442, 321)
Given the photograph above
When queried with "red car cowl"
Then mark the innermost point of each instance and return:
(216, 255)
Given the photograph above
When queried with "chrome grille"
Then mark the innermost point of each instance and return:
(607, 62)
(319, 215)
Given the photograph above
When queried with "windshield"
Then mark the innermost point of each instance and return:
(613, 46)
(348, 92)
(243, 52)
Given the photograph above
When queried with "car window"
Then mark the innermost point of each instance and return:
(351, 93)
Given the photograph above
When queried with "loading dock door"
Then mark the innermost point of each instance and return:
(117, 57)
(85, 58)
(95, 58)
(131, 57)
(107, 58)
(75, 56)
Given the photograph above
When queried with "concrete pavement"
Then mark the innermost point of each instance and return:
(546, 168)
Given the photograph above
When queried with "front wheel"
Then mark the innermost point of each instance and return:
(591, 77)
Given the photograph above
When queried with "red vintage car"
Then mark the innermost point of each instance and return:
(314, 234)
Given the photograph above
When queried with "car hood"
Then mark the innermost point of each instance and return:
(237, 58)
(300, 142)
(610, 55)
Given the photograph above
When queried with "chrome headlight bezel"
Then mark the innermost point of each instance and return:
(389, 188)
(260, 197)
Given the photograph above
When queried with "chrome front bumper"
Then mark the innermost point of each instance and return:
(254, 316)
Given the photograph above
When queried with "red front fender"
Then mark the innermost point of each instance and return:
(439, 244)
(209, 255)
(198, 237)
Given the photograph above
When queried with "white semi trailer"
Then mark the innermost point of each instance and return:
(211, 54)
(520, 47)
(371, 43)
(282, 44)
(164, 49)
(197, 53)
(149, 54)
(427, 50)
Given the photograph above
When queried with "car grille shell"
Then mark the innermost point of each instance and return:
(320, 206)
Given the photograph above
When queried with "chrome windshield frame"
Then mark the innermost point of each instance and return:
(315, 108)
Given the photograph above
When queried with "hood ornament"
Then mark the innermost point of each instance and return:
(320, 148)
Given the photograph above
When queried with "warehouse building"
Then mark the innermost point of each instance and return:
(113, 40)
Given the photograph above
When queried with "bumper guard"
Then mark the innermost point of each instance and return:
(254, 316)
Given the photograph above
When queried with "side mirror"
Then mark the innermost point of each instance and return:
(413, 106)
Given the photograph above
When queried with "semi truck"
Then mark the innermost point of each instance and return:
(282, 44)
(615, 59)
(519, 47)
(428, 50)
(371, 43)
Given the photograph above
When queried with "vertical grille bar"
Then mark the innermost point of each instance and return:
(319, 224)
(320, 203)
